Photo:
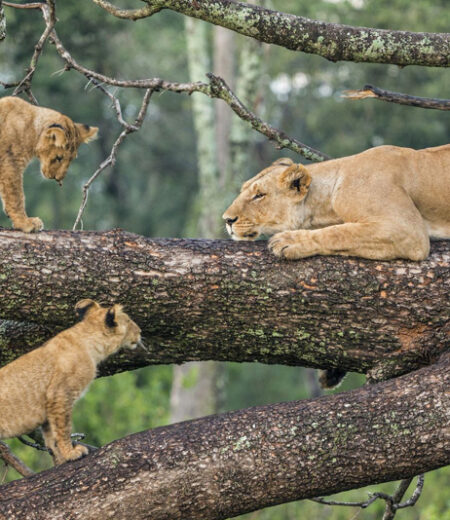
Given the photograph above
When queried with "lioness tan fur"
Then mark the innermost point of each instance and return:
(27, 131)
(41, 387)
(384, 203)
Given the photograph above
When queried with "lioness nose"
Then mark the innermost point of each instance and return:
(230, 221)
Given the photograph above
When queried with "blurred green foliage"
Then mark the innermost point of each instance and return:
(152, 188)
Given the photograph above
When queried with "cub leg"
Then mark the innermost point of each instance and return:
(11, 192)
(367, 240)
(57, 434)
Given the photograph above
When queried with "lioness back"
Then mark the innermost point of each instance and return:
(28, 131)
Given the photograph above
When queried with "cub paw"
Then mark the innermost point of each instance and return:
(77, 452)
(30, 225)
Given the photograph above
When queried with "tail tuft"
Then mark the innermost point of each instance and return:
(331, 377)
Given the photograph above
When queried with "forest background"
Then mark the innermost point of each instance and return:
(157, 188)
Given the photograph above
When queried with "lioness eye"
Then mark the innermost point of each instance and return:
(258, 196)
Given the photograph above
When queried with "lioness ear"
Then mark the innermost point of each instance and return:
(83, 306)
(87, 133)
(284, 161)
(56, 134)
(295, 178)
(111, 316)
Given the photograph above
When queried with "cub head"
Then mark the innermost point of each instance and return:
(119, 329)
(58, 144)
(268, 202)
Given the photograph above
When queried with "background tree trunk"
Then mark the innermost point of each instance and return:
(221, 466)
(228, 301)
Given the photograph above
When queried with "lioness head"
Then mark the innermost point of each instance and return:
(119, 329)
(267, 202)
(58, 144)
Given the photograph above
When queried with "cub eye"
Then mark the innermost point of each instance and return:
(259, 196)
(59, 158)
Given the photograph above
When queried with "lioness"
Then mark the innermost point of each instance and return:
(41, 387)
(27, 131)
(384, 203)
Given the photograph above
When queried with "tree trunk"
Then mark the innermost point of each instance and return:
(221, 300)
(222, 466)
(2, 23)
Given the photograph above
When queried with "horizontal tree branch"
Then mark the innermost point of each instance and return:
(369, 91)
(222, 466)
(334, 42)
(228, 301)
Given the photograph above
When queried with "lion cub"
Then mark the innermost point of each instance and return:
(41, 387)
(28, 131)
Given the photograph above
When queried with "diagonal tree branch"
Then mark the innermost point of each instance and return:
(222, 466)
(11, 460)
(334, 42)
(369, 91)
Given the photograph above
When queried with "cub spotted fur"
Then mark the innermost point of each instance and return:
(28, 131)
(384, 203)
(41, 387)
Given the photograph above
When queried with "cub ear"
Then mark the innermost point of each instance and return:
(296, 179)
(56, 135)
(111, 316)
(83, 306)
(87, 133)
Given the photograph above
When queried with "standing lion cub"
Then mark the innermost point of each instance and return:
(384, 203)
(41, 387)
(28, 131)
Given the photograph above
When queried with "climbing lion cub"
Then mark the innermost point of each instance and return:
(384, 203)
(41, 387)
(28, 131)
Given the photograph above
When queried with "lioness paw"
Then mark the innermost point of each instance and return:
(30, 225)
(290, 245)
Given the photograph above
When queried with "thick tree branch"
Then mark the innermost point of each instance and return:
(369, 91)
(334, 42)
(222, 300)
(222, 466)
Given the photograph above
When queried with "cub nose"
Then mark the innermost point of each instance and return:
(230, 221)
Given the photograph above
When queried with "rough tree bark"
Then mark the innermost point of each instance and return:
(222, 300)
(334, 42)
(221, 466)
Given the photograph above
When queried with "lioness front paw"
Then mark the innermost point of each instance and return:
(290, 245)
(30, 225)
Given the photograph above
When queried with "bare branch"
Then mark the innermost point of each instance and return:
(111, 159)
(392, 501)
(11, 460)
(369, 91)
(48, 11)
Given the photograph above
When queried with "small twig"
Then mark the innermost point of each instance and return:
(369, 91)
(128, 14)
(111, 159)
(11, 460)
(392, 501)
